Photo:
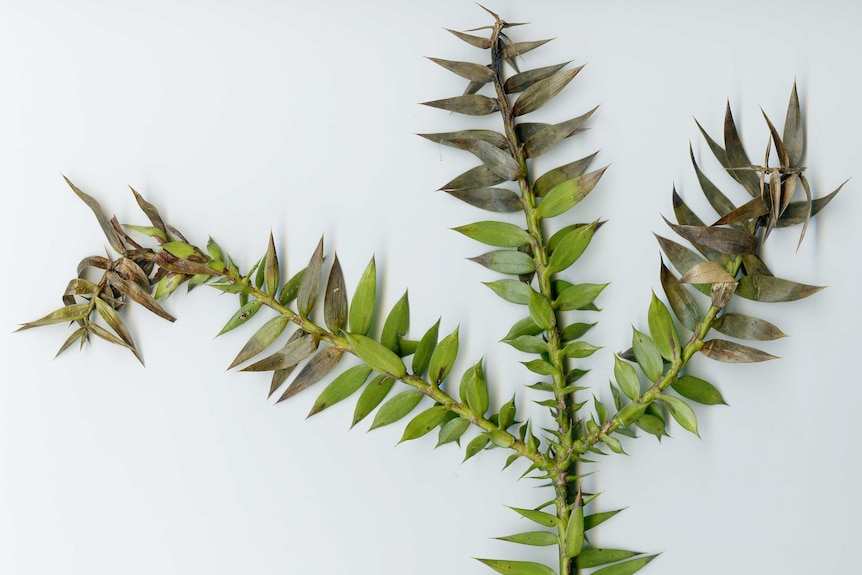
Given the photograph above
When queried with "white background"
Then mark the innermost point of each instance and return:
(237, 118)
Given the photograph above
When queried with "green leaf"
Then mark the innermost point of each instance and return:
(771, 289)
(570, 248)
(626, 568)
(469, 104)
(261, 339)
(290, 289)
(540, 517)
(476, 390)
(578, 296)
(567, 194)
(597, 519)
(498, 200)
(595, 557)
(442, 358)
(529, 344)
(335, 298)
(540, 366)
(535, 538)
(553, 178)
(378, 356)
(525, 326)
(507, 415)
(308, 288)
(467, 70)
(362, 304)
(579, 349)
(517, 567)
(541, 92)
(396, 325)
(681, 412)
(341, 387)
(512, 290)
(424, 422)
(452, 430)
(499, 234)
(506, 262)
(698, 390)
(396, 408)
(476, 445)
(271, 274)
(545, 138)
(541, 311)
(663, 330)
(575, 529)
(652, 424)
(424, 350)
(627, 378)
(746, 327)
(647, 355)
(374, 393)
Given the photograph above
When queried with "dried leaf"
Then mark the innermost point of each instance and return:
(546, 138)
(755, 266)
(721, 293)
(469, 104)
(79, 335)
(794, 130)
(682, 258)
(737, 158)
(542, 92)
(551, 179)
(103, 220)
(310, 285)
(93, 261)
(261, 340)
(682, 303)
(522, 81)
(743, 326)
(498, 200)
(461, 138)
(732, 352)
(506, 262)
(271, 274)
(771, 289)
(515, 49)
(468, 70)
(181, 266)
(719, 152)
(719, 202)
(279, 376)
(335, 299)
(684, 215)
(500, 162)
(499, 234)
(293, 352)
(798, 212)
(316, 369)
(113, 320)
(722, 240)
(478, 177)
(138, 294)
(476, 41)
(750, 210)
(707, 273)
(65, 314)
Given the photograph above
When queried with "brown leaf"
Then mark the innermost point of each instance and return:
(515, 49)
(772, 289)
(460, 138)
(113, 320)
(279, 376)
(79, 286)
(546, 138)
(468, 70)
(553, 178)
(150, 211)
(794, 131)
(719, 152)
(500, 162)
(79, 334)
(542, 92)
(682, 258)
(722, 240)
(719, 202)
(707, 273)
(174, 264)
(755, 266)
(315, 370)
(476, 41)
(746, 327)
(783, 158)
(684, 306)
(750, 210)
(721, 293)
(478, 177)
(498, 200)
(64, 314)
(138, 294)
(737, 158)
(731, 352)
(294, 351)
(797, 212)
(103, 220)
(469, 104)
(335, 299)
(522, 81)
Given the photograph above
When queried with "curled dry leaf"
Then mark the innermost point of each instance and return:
(706, 273)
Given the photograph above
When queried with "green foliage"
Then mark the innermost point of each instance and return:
(724, 261)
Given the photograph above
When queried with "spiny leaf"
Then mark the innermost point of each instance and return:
(476, 41)
(498, 200)
(290, 289)
(396, 408)
(596, 519)
(698, 390)
(737, 158)
(468, 70)
(424, 423)
(682, 303)
(104, 223)
(522, 81)
(771, 289)
(723, 240)
(553, 178)
(478, 177)
(342, 387)
(743, 326)
(542, 92)
(626, 568)
(261, 339)
(335, 299)
(732, 352)
(316, 369)
(535, 538)
(374, 393)
(362, 305)
(794, 130)
(546, 138)
(308, 288)
(297, 348)
(376, 355)
(499, 234)
(540, 517)
(506, 262)
(468, 104)
(515, 49)
(517, 567)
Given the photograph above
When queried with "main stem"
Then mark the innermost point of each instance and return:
(563, 468)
